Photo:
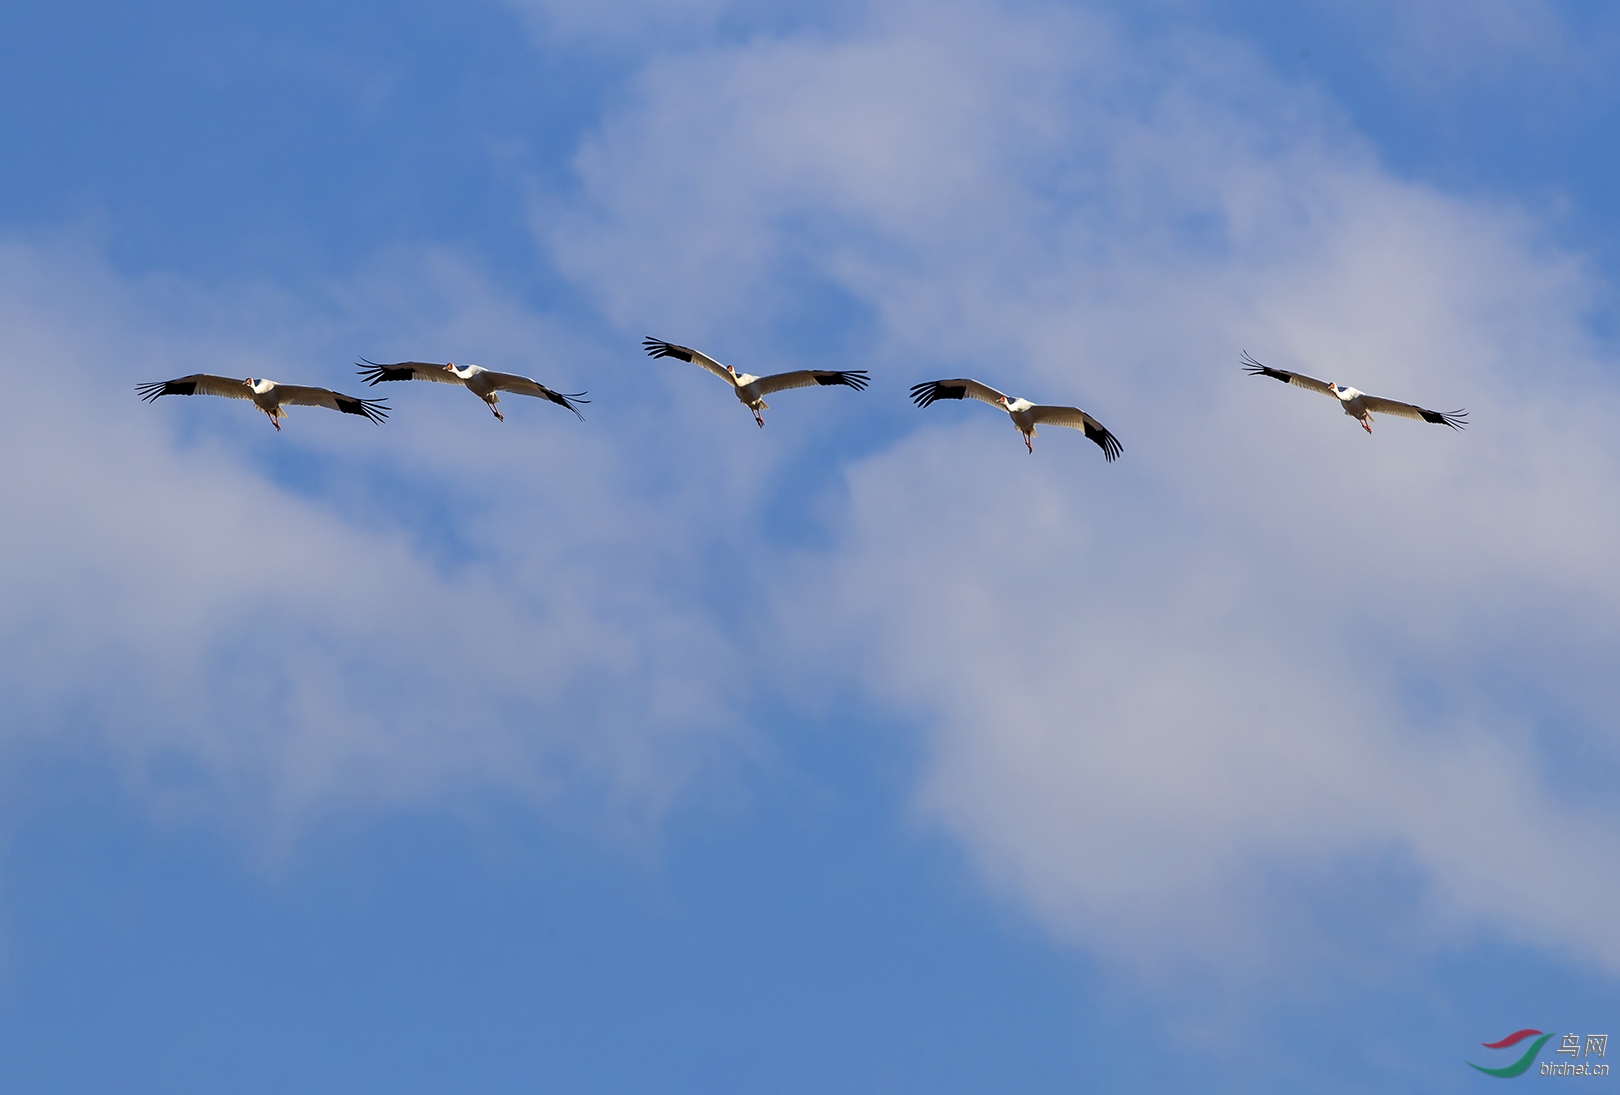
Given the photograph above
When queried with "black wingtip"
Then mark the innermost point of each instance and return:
(853, 378)
(1254, 368)
(1454, 419)
(657, 347)
(1105, 441)
(372, 410)
(929, 391)
(568, 399)
(375, 373)
(153, 389)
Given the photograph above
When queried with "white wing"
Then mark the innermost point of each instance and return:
(297, 395)
(375, 373)
(658, 348)
(933, 390)
(197, 384)
(1299, 380)
(1076, 419)
(522, 385)
(809, 378)
(1454, 419)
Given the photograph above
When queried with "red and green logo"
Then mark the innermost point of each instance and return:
(1522, 1065)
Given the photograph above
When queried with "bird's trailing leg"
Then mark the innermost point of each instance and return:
(1366, 423)
(1029, 443)
(273, 421)
(757, 418)
(497, 412)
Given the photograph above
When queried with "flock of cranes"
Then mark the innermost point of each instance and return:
(271, 397)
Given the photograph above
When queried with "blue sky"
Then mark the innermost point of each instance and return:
(865, 752)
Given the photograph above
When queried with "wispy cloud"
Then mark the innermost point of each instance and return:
(265, 627)
(1159, 698)
(1264, 644)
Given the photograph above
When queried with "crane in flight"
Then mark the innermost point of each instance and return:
(1357, 404)
(267, 395)
(1024, 414)
(483, 383)
(750, 389)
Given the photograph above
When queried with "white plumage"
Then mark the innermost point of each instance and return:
(482, 382)
(267, 395)
(751, 390)
(1024, 414)
(1357, 404)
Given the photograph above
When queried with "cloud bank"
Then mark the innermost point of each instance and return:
(1167, 703)
(1170, 706)
(265, 627)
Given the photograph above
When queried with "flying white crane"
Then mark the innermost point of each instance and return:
(1357, 404)
(1025, 415)
(267, 395)
(475, 378)
(751, 390)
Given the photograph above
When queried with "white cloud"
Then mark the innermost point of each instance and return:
(1261, 646)
(1157, 696)
(263, 627)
